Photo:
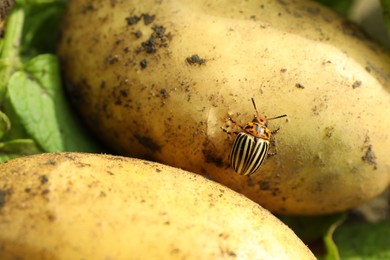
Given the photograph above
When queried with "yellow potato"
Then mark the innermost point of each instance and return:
(86, 206)
(158, 80)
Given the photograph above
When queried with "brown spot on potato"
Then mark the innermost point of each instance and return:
(164, 93)
(250, 182)
(313, 10)
(3, 194)
(51, 162)
(143, 63)
(315, 110)
(112, 59)
(133, 19)
(124, 92)
(369, 157)
(195, 59)
(356, 84)
(224, 236)
(227, 252)
(45, 192)
(137, 34)
(51, 217)
(321, 105)
(329, 131)
(156, 40)
(264, 185)
(149, 45)
(276, 192)
(148, 143)
(214, 99)
(282, 209)
(283, 2)
(70, 156)
(77, 162)
(43, 179)
(209, 157)
(89, 7)
(148, 19)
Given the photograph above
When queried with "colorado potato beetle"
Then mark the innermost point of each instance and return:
(250, 148)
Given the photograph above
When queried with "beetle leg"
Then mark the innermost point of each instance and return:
(275, 131)
(235, 123)
(230, 132)
(271, 154)
(231, 120)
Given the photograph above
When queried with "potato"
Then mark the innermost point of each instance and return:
(158, 80)
(88, 206)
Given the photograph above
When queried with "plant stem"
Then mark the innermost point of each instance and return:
(9, 54)
(333, 252)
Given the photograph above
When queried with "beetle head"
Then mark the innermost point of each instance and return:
(260, 120)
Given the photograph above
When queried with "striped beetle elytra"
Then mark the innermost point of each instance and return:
(250, 148)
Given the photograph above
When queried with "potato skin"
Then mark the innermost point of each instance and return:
(88, 206)
(138, 84)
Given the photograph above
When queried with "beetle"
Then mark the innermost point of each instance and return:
(251, 146)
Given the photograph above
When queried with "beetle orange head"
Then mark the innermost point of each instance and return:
(260, 120)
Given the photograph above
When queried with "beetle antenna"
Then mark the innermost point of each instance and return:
(276, 117)
(254, 105)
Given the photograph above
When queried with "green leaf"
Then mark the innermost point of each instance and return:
(310, 228)
(41, 26)
(317, 232)
(386, 13)
(364, 240)
(17, 148)
(5, 125)
(342, 7)
(38, 100)
(17, 130)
